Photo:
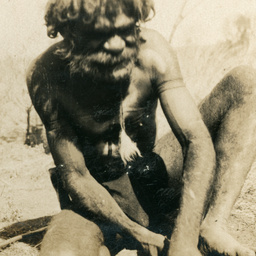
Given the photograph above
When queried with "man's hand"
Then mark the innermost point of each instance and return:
(153, 249)
(152, 244)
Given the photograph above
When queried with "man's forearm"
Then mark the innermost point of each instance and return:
(198, 174)
(86, 192)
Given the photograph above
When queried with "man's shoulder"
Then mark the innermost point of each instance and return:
(157, 57)
(155, 51)
(44, 73)
(46, 63)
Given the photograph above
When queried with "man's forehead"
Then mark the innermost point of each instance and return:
(103, 22)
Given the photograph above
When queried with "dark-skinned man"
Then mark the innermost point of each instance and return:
(96, 93)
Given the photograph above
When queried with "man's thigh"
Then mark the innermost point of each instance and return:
(230, 96)
(70, 234)
(227, 95)
(169, 149)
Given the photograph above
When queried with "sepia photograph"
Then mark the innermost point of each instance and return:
(128, 128)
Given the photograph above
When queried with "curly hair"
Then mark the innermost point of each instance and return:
(62, 15)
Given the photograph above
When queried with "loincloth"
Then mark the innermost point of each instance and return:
(141, 190)
(148, 181)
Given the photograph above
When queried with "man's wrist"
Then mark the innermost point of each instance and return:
(181, 238)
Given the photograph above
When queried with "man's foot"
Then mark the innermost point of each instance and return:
(216, 239)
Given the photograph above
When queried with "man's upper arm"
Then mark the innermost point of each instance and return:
(161, 59)
(183, 115)
(61, 137)
(40, 91)
(177, 103)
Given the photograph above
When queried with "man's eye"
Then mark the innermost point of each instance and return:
(127, 32)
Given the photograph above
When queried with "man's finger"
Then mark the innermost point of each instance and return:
(148, 250)
(153, 250)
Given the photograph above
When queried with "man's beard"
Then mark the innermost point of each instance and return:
(103, 66)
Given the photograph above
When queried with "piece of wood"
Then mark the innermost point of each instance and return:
(19, 237)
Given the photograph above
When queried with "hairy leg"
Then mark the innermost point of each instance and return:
(230, 114)
(69, 234)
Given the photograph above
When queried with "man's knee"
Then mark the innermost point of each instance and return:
(71, 234)
(241, 82)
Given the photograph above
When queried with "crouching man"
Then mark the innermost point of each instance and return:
(96, 93)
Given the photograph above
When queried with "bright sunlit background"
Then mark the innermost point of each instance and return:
(204, 21)
(210, 38)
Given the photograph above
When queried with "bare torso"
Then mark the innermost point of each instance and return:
(96, 112)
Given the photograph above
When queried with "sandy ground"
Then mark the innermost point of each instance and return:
(26, 192)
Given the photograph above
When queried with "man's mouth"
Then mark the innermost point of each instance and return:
(119, 64)
(109, 60)
(104, 64)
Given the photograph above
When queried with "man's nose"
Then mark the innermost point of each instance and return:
(114, 44)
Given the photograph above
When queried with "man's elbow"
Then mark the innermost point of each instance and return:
(200, 142)
(66, 156)
(204, 148)
(209, 149)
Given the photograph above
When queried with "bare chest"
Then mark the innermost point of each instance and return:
(96, 110)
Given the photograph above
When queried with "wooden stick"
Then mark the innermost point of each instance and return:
(19, 237)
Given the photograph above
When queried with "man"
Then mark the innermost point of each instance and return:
(96, 93)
